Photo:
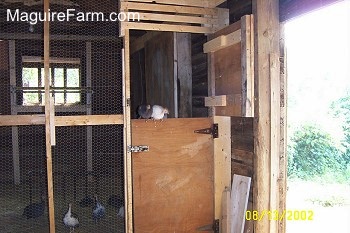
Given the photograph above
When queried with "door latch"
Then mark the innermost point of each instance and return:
(136, 149)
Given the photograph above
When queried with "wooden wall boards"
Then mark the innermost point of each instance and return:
(231, 76)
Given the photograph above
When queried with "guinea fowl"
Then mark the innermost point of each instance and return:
(99, 211)
(158, 112)
(118, 203)
(144, 111)
(69, 220)
(34, 210)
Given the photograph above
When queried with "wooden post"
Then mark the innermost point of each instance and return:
(127, 134)
(175, 90)
(48, 118)
(88, 109)
(267, 111)
(15, 144)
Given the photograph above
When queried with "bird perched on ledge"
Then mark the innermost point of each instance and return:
(144, 111)
(158, 112)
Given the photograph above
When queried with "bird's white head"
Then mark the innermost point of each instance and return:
(166, 111)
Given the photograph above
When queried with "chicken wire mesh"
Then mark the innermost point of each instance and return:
(86, 76)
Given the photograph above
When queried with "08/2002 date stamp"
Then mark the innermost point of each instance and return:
(275, 215)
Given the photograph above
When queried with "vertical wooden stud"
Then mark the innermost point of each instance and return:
(15, 144)
(88, 108)
(176, 104)
(48, 123)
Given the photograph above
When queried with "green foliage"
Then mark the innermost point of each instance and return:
(312, 153)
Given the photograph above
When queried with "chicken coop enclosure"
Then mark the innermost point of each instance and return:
(85, 75)
(71, 147)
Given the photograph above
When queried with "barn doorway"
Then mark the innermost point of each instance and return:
(318, 54)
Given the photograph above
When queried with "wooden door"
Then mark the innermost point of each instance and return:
(173, 183)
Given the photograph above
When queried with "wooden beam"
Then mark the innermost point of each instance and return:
(267, 111)
(247, 61)
(39, 119)
(222, 42)
(223, 100)
(222, 161)
(184, 73)
(140, 42)
(226, 219)
(178, 18)
(48, 119)
(169, 8)
(51, 60)
(127, 135)
(211, 80)
(59, 108)
(166, 27)
(196, 3)
(239, 202)
(27, 36)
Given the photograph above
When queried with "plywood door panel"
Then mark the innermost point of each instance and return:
(173, 187)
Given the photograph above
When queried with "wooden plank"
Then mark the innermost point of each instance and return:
(178, 18)
(228, 79)
(48, 117)
(58, 60)
(247, 66)
(175, 77)
(59, 108)
(184, 73)
(282, 177)
(159, 72)
(13, 100)
(175, 177)
(88, 60)
(166, 27)
(239, 202)
(169, 8)
(30, 36)
(211, 80)
(222, 42)
(224, 18)
(89, 120)
(39, 119)
(140, 42)
(197, 3)
(52, 122)
(266, 41)
(225, 223)
(213, 101)
(226, 30)
(129, 220)
(222, 161)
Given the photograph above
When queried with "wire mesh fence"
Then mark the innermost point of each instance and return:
(86, 79)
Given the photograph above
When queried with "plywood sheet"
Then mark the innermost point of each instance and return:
(173, 182)
(228, 77)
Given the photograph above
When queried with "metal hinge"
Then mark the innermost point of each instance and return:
(135, 149)
(215, 227)
(214, 131)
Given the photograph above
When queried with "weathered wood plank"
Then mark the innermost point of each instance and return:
(197, 3)
(178, 18)
(166, 27)
(267, 110)
(222, 42)
(239, 202)
(224, 100)
(226, 220)
(51, 60)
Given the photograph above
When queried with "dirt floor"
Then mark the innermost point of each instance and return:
(14, 199)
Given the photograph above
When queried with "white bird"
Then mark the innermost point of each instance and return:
(158, 112)
(69, 220)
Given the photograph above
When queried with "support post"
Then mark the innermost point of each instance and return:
(88, 109)
(48, 119)
(267, 111)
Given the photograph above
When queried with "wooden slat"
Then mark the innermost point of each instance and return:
(225, 223)
(247, 48)
(213, 101)
(89, 120)
(222, 42)
(48, 117)
(222, 161)
(51, 60)
(239, 202)
(129, 227)
(211, 80)
(168, 8)
(52, 122)
(59, 108)
(39, 119)
(197, 3)
(166, 27)
(178, 18)
(30, 36)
